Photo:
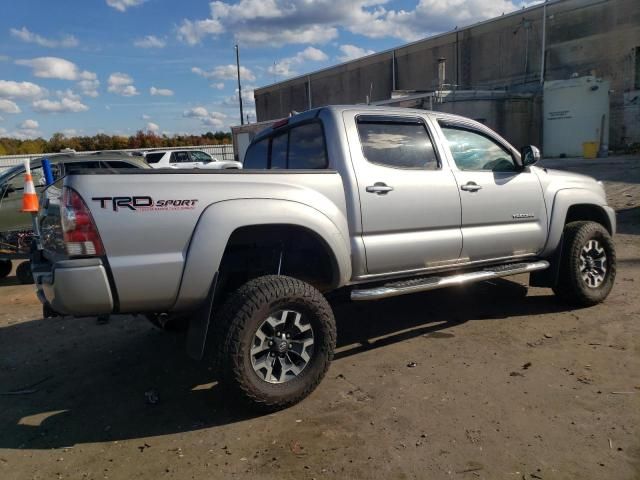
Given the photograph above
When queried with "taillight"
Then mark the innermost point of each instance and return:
(81, 236)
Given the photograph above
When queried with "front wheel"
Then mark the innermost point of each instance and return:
(275, 339)
(588, 264)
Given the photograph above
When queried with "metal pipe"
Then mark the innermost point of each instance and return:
(393, 71)
(544, 39)
(239, 86)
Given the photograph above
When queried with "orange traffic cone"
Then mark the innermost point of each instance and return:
(29, 197)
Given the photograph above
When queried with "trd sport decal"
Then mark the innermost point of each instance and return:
(144, 203)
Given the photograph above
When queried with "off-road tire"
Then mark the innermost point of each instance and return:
(233, 331)
(5, 268)
(571, 287)
(23, 272)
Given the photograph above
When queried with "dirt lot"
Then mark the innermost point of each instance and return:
(505, 384)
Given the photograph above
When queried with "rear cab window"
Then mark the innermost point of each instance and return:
(300, 147)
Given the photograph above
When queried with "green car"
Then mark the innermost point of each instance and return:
(15, 226)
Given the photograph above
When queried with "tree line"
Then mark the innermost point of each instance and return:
(58, 142)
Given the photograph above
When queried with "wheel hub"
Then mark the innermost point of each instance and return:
(282, 346)
(593, 264)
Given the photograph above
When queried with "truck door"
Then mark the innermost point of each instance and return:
(503, 210)
(409, 200)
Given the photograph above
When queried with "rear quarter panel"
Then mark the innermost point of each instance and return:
(147, 247)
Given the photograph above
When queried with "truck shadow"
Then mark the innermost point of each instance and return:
(71, 381)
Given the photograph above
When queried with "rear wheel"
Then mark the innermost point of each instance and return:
(588, 264)
(274, 340)
(5, 268)
(23, 272)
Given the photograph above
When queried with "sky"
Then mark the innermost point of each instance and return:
(82, 67)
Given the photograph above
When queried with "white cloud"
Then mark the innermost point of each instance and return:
(153, 127)
(213, 122)
(351, 52)
(248, 98)
(89, 87)
(218, 85)
(121, 84)
(212, 119)
(150, 41)
(1, 119)
(29, 124)
(68, 102)
(226, 72)
(122, 5)
(7, 106)
(20, 90)
(196, 112)
(286, 66)
(69, 132)
(163, 92)
(144, 116)
(29, 37)
(25, 134)
(280, 22)
(192, 33)
(54, 67)
(26, 129)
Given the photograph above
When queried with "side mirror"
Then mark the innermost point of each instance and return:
(529, 155)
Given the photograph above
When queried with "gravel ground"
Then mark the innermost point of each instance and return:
(490, 381)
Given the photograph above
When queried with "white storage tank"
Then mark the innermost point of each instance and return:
(574, 112)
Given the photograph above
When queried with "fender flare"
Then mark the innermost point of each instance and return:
(562, 201)
(219, 220)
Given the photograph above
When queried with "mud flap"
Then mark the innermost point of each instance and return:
(549, 277)
(199, 324)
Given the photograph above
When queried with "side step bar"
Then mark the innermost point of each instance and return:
(432, 283)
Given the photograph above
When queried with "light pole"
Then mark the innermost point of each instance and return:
(239, 86)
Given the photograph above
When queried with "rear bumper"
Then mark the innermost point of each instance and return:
(76, 287)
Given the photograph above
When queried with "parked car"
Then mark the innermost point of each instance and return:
(369, 202)
(187, 159)
(15, 226)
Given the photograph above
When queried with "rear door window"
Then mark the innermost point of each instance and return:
(180, 157)
(397, 143)
(200, 157)
(153, 157)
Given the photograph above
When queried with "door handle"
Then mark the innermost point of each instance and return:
(471, 187)
(379, 188)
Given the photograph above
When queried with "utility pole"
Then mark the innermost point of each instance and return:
(239, 86)
(544, 39)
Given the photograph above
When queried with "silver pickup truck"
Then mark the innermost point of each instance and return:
(366, 201)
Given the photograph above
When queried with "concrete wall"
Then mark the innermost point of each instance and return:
(583, 36)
